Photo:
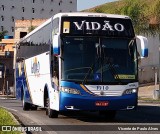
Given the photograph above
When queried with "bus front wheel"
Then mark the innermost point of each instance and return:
(51, 113)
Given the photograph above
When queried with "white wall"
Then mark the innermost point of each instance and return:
(149, 66)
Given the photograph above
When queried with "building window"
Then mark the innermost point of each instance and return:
(33, 1)
(22, 34)
(12, 28)
(32, 18)
(3, 7)
(12, 7)
(22, 9)
(2, 18)
(22, 18)
(2, 28)
(12, 19)
(71, 2)
(33, 10)
(60, 10)
(60, 2)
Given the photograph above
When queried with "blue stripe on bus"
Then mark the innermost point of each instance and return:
(145, 52)
(56, 50)
(21, 84)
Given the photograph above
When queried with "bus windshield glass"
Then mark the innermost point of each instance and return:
(99, 59)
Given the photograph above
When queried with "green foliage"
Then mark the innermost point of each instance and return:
(142, 13)
(31, 28)
(135, 9)
(155, 9)
(99, 10)
(7, 119)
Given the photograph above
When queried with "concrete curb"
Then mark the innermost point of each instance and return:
(149, 101)
(9, 96)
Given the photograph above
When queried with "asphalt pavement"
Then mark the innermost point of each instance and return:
(146, 114)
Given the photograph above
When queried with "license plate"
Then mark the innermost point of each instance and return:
(102, 103)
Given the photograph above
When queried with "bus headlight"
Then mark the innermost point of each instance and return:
(70, 90)
(130, 91)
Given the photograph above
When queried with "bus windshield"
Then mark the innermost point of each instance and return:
(99, 59)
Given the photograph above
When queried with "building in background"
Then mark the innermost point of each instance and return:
(23, 27)
(12, 10)
(19, 17)
(6, 64)
(149, 67)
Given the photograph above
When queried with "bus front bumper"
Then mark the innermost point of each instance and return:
(89, 103)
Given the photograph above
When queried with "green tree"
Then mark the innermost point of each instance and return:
(155, 10)
(145, 14)
(135, 9)
(155, 16)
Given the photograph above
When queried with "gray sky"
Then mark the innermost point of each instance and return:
(85, 4)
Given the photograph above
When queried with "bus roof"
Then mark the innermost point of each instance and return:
(90, 15)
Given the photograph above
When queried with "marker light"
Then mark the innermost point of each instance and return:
(130, 91)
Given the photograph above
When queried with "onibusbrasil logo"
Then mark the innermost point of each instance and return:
(35, 67)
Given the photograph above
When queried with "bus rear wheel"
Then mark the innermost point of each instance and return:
(25, 105)
(33, 107)
(51, 113)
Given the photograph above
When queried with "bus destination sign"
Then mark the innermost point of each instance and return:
(97, 26)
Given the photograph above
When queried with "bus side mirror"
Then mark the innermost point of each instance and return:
(56, 44)
(142, 46)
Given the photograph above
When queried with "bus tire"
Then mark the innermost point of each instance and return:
(109, 114)
(51, 113)
(25, 105)
(33, 107)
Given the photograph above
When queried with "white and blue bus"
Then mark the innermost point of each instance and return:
(80, 61)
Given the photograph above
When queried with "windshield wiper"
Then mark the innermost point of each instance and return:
(89, 71)
(97, 45)
(113, 71)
